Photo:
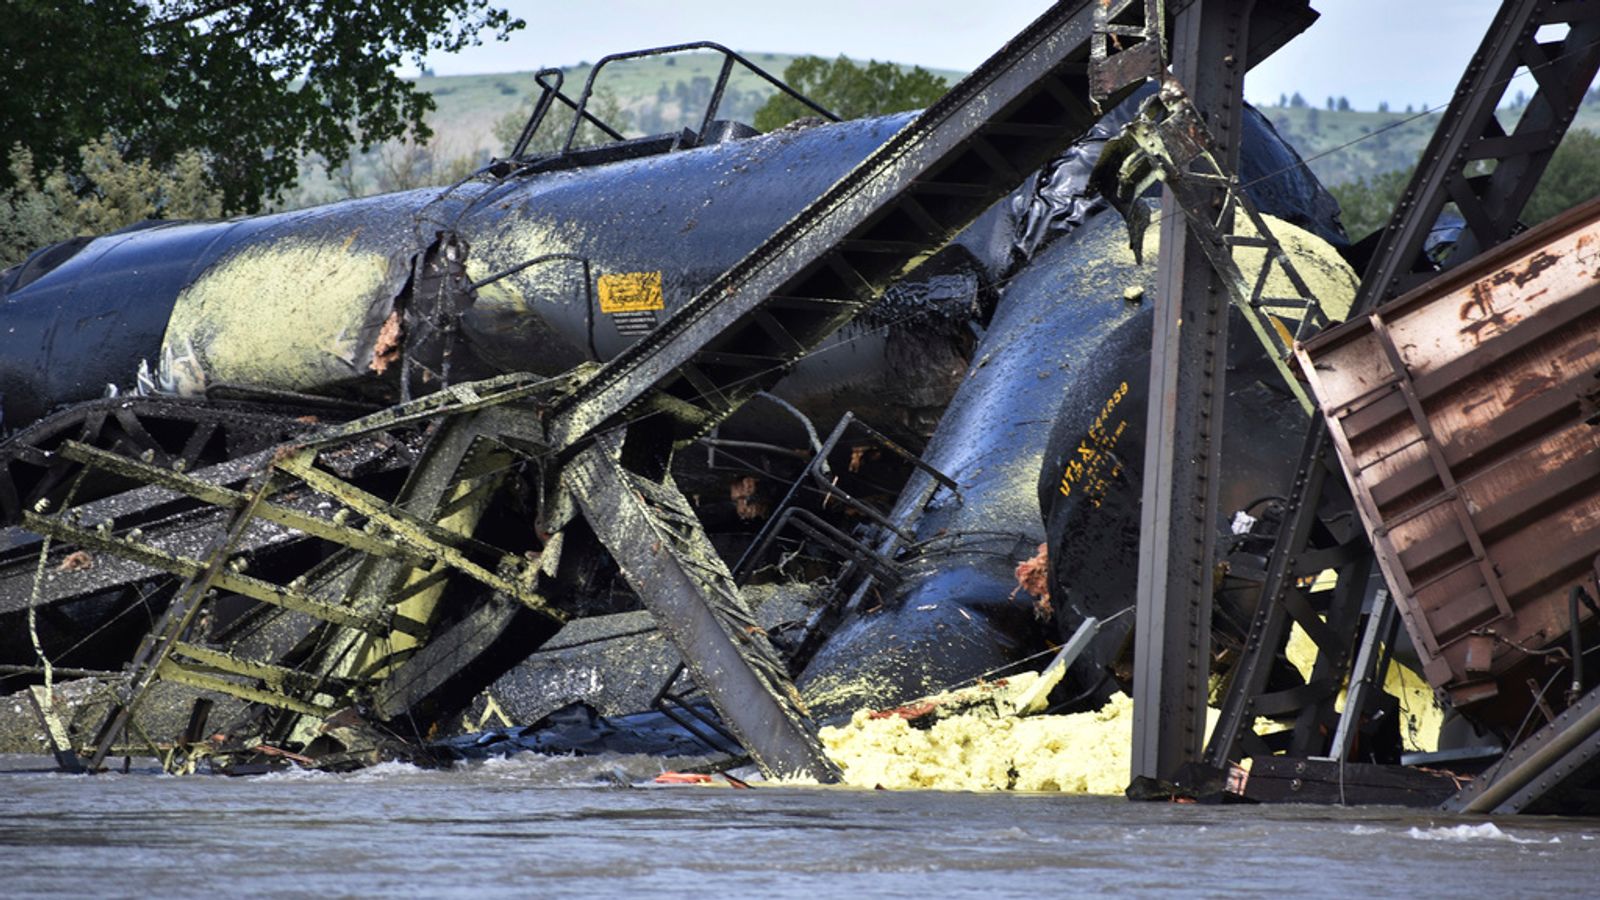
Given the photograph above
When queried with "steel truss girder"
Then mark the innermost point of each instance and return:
(1285, 601)
(652, 532)
(1468, 133)
(1564, 750)
(1170, 142)
(156, 650)
(398, 538)
(907, 199)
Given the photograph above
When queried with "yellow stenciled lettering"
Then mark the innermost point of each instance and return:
(1087, 470)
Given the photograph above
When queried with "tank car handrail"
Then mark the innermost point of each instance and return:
(549, 93)
(581, 107)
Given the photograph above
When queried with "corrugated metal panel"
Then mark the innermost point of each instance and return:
(1459, 413)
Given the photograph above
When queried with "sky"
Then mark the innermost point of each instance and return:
(1399, 51)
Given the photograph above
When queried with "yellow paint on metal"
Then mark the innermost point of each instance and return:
(1095, 466)
(630, 292)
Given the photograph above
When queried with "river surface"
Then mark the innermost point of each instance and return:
(596, 828)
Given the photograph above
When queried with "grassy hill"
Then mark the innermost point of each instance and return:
(1344, 146)
(656, 95)
(663, 94)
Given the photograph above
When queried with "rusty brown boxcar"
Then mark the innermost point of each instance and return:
(1463, 414)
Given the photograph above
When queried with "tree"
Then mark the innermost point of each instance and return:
(1344, 104)
(109, 192)
(552, 133)
(850, 91)
(1298, 101)
(251, 86)
(1572, 177)
(1283, 100)
(1383, 106)
(404, 164)
(1365, 203)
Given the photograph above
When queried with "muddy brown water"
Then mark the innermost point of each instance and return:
(595, 828)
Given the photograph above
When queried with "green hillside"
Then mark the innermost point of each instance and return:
(663, 94)
(656, 95)
(1342, 146)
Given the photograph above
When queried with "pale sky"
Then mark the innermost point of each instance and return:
(1402, 51)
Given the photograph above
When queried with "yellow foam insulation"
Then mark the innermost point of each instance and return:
(292, 314)
(979, 741)
(1420, 715)
(988, 738)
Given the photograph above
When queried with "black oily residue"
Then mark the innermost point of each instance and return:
(942, 296)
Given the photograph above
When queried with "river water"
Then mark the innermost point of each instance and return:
(596, 827)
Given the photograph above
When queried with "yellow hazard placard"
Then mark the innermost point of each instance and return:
(630, 292)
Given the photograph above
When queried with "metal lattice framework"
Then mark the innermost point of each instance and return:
(1488, 173)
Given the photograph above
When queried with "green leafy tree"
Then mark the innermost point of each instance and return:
(404, 164)
(1365, 203)
(849, 90)
(1572, 177)
(252, 86)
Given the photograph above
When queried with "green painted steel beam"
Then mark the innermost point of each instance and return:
(166, 561)
(167, 670)
(421, 536)
(229, 498)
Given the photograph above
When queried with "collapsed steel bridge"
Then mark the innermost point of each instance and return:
(601, 442)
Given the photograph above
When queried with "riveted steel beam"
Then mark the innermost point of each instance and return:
(1172, 647)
